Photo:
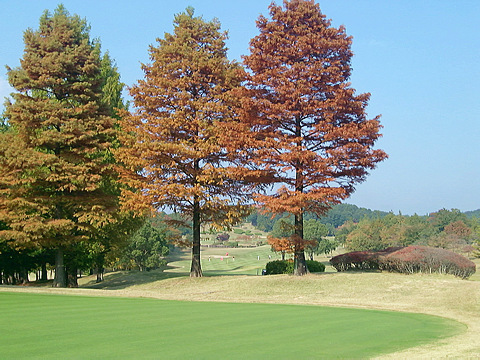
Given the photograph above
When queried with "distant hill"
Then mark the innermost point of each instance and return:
(339, 214)
(336, 217)
(473, 213)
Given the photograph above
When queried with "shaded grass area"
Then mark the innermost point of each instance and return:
(124, 279)
(60, 326)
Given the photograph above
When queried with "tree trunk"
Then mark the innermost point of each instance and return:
(300, 265)
(72, 278)
(60, 273)
(99, 272)
(44, 276)
(22, 276)
(100, 261)
(196, 269)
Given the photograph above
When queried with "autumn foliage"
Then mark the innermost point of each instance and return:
(206, 136)
(313, 131)
(408, 260)
(53, 168)
(288, 245)
(174, 144)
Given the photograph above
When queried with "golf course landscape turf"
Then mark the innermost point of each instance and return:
(47, 326)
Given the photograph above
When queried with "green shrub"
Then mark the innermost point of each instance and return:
(279, 267)
(232, 244)
(238, 231)
(286, 267)
(315, 266)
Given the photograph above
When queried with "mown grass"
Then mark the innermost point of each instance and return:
(216, 330)
(38, 326)
(225, 261)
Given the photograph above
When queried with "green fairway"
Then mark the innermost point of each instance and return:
(58, 327)
(226, 261)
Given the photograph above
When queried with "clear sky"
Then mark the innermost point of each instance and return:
(419, 59)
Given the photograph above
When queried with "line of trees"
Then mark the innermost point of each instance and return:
(335, 217)
(207, 137)
(360, 229)
(447, 229)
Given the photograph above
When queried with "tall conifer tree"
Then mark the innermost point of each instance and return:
(299, 102)
(52, 187)
(174, 144)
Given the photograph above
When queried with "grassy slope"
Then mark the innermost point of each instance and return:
(430, 294)
(145, 328)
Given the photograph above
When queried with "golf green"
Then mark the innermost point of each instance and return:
(42, 326)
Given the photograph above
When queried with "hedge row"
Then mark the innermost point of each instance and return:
(286, 267)
(408, 260)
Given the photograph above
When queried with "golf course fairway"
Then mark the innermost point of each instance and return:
(43, 326)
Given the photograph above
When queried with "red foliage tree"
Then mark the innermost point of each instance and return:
(313, 130)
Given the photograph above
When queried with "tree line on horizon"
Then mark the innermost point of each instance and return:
(361, 229)
(80, 172)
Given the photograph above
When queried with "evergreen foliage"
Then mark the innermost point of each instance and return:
(287, 267)
(448, 229)
(146, 249)
(279, 267)
(337, 216)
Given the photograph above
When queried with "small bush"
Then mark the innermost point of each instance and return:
(223, 237)
(315, 266)
(232, 244)
(286, 267)
(279, 267)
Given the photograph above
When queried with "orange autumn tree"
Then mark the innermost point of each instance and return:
(174, 143)
(53, 169)
(313, 128)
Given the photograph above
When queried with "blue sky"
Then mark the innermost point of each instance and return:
(418, 58)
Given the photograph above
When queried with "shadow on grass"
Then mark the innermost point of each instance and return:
(124, 279)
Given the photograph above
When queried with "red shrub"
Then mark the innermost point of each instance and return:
(427, 260)
(408, 260)
(359, 260)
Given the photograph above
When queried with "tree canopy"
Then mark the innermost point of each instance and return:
(174, 143)
(53, 161)
(206, 135)
(314, 130)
